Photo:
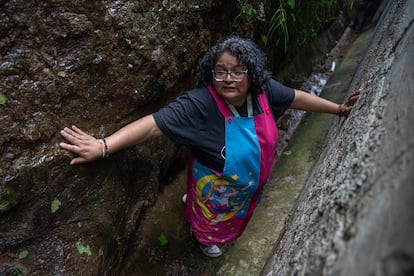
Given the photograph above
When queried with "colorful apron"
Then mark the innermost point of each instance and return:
(219, 205)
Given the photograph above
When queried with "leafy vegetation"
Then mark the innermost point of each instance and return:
(247, 10)
(163, 239)
(83, 249)
(2, 99)
(23, 254)
(295, 23)
(17, 272)
(55, 205)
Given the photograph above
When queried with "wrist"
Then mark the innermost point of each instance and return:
(339, 110)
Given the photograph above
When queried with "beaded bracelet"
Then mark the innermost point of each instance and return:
(105, 152)
(339, 110)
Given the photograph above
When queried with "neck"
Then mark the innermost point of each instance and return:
(238, 103)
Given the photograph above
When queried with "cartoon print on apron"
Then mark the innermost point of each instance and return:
(220, 204)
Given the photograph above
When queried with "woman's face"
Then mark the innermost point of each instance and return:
(230, 90)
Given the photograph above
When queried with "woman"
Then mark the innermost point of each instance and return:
(229, 123)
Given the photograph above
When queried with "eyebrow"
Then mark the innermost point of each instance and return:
(235, 66)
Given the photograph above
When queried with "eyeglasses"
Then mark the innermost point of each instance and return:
(220, 75)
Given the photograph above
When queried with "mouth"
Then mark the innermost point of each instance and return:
(229, 88)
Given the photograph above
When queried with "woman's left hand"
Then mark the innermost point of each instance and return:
(345, 109)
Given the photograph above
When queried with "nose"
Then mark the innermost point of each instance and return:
(228, 77)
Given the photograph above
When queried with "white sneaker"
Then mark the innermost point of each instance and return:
(184, 198)
(212, 251)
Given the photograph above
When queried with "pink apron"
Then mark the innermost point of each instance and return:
(219, 205)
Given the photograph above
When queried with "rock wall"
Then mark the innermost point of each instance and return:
(355, 215)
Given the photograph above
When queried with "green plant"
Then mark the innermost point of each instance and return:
(279, 24)
(295, 23)
(264, 39)
(23, 254)
(247, 10)
(17, 272)
(2, 99)
(55, 205)
(163, 239)
(83, 249)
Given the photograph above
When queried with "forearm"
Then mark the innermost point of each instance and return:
(307, 102)
(133, 133)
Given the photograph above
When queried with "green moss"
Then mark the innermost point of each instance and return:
(305, 146)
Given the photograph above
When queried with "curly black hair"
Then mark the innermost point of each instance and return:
(246, 52)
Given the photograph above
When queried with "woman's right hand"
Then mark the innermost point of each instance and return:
(86, 147)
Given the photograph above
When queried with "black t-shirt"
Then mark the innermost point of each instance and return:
(194, 120)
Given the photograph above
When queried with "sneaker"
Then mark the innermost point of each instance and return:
(212, 251)
(184, 198)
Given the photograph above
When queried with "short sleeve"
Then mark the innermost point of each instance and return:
(183, 119)
(280, 97)
(194, 120)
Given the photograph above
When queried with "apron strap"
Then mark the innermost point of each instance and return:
(224, 109)
(249, 107)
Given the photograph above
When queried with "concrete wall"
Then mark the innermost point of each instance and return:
(356, 213)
